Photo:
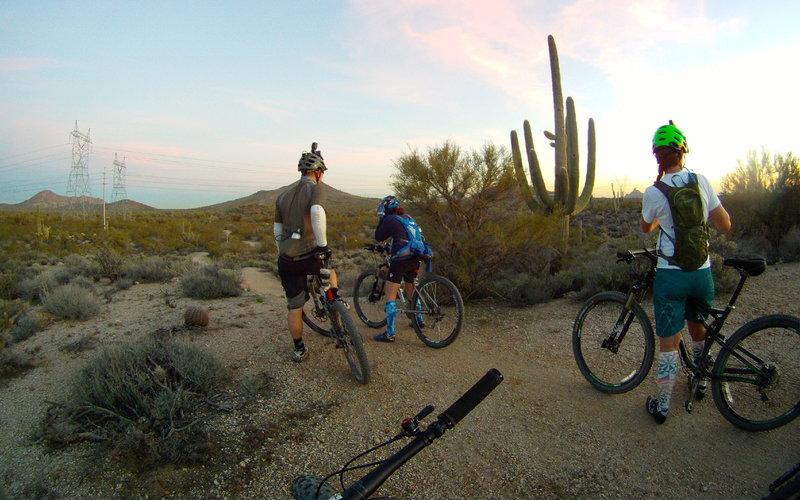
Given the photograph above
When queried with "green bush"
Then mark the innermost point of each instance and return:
(210, 282)
(71, 302)
(142, 398)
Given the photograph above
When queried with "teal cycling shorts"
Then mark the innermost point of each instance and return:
(671, 289)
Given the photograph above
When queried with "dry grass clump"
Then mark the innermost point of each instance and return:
(152, 269)
(144, 399)
(211, 282)
(72, 301)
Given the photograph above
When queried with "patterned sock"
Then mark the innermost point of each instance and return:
(697, 348)
(665, 378)
(391, 311)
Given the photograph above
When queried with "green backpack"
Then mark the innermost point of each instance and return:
(689, 223)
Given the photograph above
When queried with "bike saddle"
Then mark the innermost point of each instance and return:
(752, 266)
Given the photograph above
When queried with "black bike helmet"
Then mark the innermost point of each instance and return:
(311, 161)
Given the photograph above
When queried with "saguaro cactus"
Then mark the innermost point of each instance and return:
(565, 201)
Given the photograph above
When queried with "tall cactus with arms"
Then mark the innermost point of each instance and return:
(565, 201)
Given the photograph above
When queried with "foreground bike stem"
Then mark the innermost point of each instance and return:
(367, 485)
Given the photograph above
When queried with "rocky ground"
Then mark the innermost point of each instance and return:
(543, 433)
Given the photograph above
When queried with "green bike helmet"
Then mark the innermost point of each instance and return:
(670, 136)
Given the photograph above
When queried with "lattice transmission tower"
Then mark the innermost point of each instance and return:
(118, 192)
(78, 187)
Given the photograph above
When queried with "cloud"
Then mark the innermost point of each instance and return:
(19, 64)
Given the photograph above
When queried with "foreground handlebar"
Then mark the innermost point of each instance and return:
(367, 485)
(471, 398)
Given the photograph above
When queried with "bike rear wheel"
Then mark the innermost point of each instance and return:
(613, 345)
(437, 311)
(315, 315)
(764, 355)
(347, 337)
(368, 299)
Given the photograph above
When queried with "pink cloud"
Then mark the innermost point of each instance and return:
(15, 64)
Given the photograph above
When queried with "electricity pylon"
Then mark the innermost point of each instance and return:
(78, 187)
(118, 192)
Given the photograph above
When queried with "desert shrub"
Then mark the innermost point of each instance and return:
(789, 248)
(123, 284)
(28, 323)
(8, 285)
(36, 288)
(13, 364)
(71, 302)
(148, 270)
(79, 265)
(110, 262)
(210, 282)
(142, 398)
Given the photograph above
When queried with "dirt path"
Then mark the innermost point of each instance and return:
(543, 433)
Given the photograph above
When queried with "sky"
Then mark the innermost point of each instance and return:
(209, 101)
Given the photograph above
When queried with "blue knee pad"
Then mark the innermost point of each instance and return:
(391, 312)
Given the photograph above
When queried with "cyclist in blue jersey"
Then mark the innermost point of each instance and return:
(404, 264)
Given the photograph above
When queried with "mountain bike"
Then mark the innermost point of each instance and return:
(436, 309)
(326, 313)
(312, 486)
(755, 378)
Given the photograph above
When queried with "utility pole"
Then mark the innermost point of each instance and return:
(78, 187)
(118, 193)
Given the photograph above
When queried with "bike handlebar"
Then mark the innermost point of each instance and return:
(627, 256)
(367, 485)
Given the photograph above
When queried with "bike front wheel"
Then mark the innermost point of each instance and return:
(368, 299)
(347, 337)
(613, 344)
(437, 311)
(762, 369)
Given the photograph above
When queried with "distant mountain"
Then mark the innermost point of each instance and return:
(633, 195)
(334, 199)
(48, 200)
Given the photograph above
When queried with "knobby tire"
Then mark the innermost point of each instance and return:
(766, 353)
(368, 299)
(350, 342)
(608, 371)
(441, 311)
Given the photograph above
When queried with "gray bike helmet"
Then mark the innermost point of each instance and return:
(311, 161)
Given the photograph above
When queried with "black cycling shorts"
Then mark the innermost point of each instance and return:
(294, 275)
(406, 269)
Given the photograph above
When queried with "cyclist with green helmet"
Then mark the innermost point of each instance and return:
(674, 285)
(301, 235)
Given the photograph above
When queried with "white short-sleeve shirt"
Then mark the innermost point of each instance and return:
(656, 206)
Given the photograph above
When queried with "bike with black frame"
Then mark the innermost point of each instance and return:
(312, 486)
(755, 377)
(327, 313)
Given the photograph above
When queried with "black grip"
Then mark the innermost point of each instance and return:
(471, 398)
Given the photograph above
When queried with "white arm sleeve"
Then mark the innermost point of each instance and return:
(318, 224)
(277, 230)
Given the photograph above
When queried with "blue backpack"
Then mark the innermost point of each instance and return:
(416, 244)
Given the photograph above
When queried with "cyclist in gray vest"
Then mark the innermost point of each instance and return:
(300, 235)
(404, 264)
(672, 285)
